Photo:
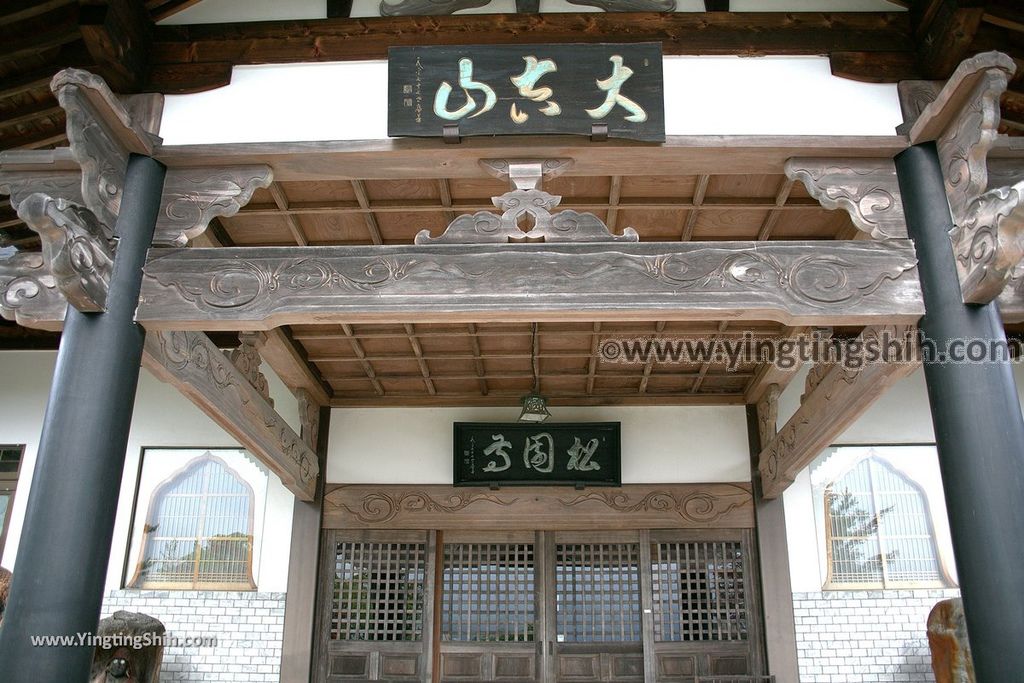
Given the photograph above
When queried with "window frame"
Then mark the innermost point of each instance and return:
(9, 483)
(205, 454)
(830, 584)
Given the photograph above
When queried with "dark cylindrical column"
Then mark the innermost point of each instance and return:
(979, 431)
(64, 550)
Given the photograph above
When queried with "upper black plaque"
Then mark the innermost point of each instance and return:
(527, 89)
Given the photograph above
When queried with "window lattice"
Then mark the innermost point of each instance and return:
(698, 591)
(199, 533)
(598, 592)
(488, 592)
(378, 591)
(878, 529)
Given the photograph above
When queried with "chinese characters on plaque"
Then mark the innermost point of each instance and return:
(527, 89)
(584, 453)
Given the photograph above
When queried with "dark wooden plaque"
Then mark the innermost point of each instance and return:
(527, 90)
(571, 454)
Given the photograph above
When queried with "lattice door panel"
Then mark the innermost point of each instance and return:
(703, 603)
(488, 608)
(374, 621)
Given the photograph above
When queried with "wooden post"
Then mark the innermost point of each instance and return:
(65, 543)
(303, 556)
(979, 431)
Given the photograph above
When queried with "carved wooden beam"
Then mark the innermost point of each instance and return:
(867, 189)
(418, 7)
(837, 396)
(247, 359)
(633, 506)
(289, 362)
(794, 283)
(768, 414)
(75, 248)
(309, 417)
(194, 365)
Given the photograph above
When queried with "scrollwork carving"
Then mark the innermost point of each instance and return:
(427, 7)
(248, 361)
(309, 417)
(192, 197)
(696, 508)
(629, 5)
(867, 189)
(29, 294)
(768, 413)
(381, 506)
(989, 242)
(519, 207)
(75, 248)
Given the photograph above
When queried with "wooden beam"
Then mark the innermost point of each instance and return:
(808, 283)
(192, 364)
(771, 373)
(373, 506)
(44, 109)
(164, 10)
(285, 358)
(117, 36)
(32, 44)
(946, 34)
(839, 397)
(14, 11)
(433, 159)
(718, 33)
(875, 67)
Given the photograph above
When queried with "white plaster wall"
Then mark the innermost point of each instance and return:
(162, 417)
(703, 96)
(659, 444)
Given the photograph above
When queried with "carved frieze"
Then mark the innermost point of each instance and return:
(867, 189)
(75, 248)
(194, 365)
(532, 208)
(793, 282)
(633, 506)
(248, 361)
(29, 294)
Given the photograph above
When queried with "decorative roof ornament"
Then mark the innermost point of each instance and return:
(529, 207)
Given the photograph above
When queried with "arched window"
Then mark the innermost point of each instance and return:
(198, 532)
(878, 531)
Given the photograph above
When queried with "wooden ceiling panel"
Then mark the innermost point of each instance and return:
(463, 189)
(763, 186)
(401, 227)
(652, 224)
(812, 224)
(384, 190)
(334, 228)
(258, 230)
(729, 224)
(319, 191)
(590, 187)
(676, 187)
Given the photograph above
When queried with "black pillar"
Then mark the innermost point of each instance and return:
(64, 550)
(978, 430)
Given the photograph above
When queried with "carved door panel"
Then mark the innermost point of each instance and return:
(488, 608)
(377, 595)
(596, 581)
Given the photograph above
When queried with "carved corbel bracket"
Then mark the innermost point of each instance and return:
(989, 242)
(768, 414)
(867, 189)
(309, 417)
(505, 169)
(248, 361)
(75, 249)
(29, 294)
(102, 133)
(193, 197)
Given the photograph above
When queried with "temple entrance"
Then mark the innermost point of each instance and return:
(612, 606)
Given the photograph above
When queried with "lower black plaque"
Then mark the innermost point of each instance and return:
(568, 454)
